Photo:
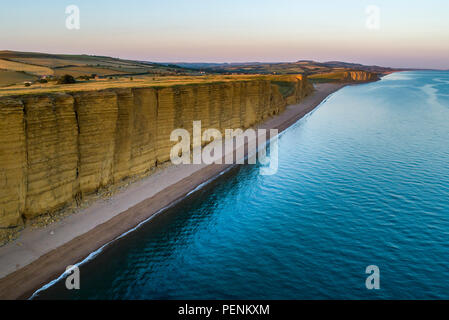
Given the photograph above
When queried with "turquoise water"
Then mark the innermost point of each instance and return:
(362, 180)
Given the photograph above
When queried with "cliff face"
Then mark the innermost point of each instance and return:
(360, 76)
(56, 148)
(13, 162)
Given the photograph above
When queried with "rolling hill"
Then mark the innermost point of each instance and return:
(28, 68)
(16, 67)
(307, 67)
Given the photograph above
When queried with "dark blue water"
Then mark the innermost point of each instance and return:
(362, 180)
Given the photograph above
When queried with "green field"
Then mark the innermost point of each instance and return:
(8, 77)
(81, 65)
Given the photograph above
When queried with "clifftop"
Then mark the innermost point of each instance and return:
(144, 82)
(345, 76)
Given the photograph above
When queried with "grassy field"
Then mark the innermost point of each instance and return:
(307, 67)
(28, 68)
(18, 67)
(81, 65)
(78, 71)
(11, 77)
(327, 77)
(140, 82)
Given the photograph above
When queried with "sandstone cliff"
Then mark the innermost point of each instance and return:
(360, 76)
(57, 147)
(345, 76)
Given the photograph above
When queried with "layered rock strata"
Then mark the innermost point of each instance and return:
(57, 148)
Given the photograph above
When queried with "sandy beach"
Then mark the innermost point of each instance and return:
(39, 256)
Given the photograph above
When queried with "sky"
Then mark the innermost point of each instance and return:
(398, 33)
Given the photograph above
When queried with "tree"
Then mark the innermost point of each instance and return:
(66, 79)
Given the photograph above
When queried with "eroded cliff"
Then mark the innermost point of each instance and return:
(55, 148)
(360, 76)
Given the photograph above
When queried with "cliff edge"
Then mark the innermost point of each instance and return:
(55, 148)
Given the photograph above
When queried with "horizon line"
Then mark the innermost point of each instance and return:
(227, 62)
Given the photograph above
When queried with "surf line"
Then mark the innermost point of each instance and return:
(95, 253)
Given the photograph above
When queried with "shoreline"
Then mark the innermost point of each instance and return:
(40, 256)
